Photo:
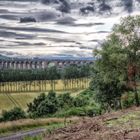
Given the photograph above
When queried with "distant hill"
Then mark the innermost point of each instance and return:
(4, 57)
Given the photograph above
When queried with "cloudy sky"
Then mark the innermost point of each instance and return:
(55, 33)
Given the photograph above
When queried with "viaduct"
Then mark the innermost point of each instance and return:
(39, 64)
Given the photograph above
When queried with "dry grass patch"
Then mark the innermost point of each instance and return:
(26, 124)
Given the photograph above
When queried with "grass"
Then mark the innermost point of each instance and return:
(40, 137)
(128, 121)
(49, 129)
(50, 124)
(22, 99)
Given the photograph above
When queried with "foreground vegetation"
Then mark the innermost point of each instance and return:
(119, 125)
(30, 124)
(56, 105)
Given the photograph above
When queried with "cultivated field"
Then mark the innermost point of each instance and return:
(44, 85)
(10, 100)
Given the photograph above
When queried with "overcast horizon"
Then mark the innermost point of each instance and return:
(73, 33)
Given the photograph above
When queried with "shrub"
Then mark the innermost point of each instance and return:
(64, 105)
(73, 111)
(92, 111)
(47, 107)
(13, 114)
(80, 101)
(80, 111)
(65, 100)
(32, 107)
(128, 100)
(43, 105)
(89, 94)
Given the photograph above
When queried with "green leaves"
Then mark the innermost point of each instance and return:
(118, 53)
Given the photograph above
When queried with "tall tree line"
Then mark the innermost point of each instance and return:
(73, 77)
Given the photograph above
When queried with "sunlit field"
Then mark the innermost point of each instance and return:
(44, 85)
(10, 100)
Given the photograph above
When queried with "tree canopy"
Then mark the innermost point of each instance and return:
(118, 61)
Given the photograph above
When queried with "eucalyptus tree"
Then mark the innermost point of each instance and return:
(118, 62)
(109, 73)
(129, 35)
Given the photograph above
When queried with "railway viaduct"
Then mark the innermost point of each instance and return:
(40, 64)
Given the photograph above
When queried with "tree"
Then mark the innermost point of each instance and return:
(114, 59)
(107, 77)
(13, 114)
(32, 107)
(129, 35)
(43, 105)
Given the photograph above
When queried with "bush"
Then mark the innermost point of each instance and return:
(65, 100)
(74, 111)
(80, 101)
(47, 107)
(92, 111)
(14, 114)
(128, 100)
(32, 107)
(87, 94)
(43, 105)
(80, 111)
(64, 105)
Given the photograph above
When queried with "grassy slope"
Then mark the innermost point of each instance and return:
(130, 120)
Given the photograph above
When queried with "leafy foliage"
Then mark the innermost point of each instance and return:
(117, 64)
(43, 105)
(13, 114)
(51, 73)
(63, 105)
(127, 100)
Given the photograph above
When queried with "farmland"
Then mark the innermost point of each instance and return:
(44, 85)
(22, 99)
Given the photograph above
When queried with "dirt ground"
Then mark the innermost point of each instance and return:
(99, 128)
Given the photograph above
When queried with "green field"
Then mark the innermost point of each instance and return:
(21, 93)
(10, 100)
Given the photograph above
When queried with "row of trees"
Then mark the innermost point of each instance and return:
(72, 77)
(51, 73)
(117, 69)
(44, 85)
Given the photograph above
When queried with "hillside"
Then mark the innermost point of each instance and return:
(121, 125)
